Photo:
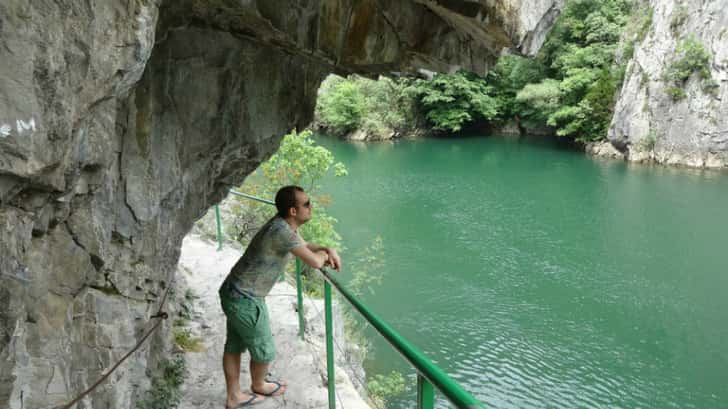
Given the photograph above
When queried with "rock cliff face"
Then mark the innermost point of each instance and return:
(652, 121)
(121, 122)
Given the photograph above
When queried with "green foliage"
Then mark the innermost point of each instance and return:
(585, 23)
(509, 76)
(299, 161)
(389, 108)
(571, 85)
(190, 295)
(679, 16)
(676, 93)
(691, 58)
(644, 78)
(340, 104)
(185, 305)
(379, 107)
(644, 17)
(185, 310)
(451, 101)
(164, 392)
(710, 86)
(576, 97)
(589, 118)
(383, 387)
(539, 101)
(184, 339)
(636, 29)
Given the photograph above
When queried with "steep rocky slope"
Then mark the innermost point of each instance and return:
(683, 122)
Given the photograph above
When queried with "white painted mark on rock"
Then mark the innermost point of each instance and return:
(21, 127)
(5, 130)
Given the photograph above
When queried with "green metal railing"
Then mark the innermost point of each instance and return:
(251, 197)
(429, 375)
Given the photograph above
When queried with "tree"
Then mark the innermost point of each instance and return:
(340, 105)
(378, 107)
(538, 101)
(451, 101)
(298, 161)
(509, 76)
(579, 54)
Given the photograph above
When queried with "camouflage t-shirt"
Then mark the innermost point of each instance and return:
(265, 258)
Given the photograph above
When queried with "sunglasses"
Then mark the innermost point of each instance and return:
(307, 205)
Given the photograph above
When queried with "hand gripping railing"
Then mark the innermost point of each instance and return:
(429, 375)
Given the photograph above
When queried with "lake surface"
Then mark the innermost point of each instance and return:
(541, 278)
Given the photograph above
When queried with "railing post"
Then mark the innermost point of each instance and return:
(432, 375)
(425, 393)
(219, 228)
(299, 290)
(329, 346)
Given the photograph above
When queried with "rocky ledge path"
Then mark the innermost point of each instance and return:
(302, 363)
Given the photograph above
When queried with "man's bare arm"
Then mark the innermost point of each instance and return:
(333, 257)
(315, 259)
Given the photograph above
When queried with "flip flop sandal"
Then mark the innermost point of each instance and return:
(250, 402)
(271, 393)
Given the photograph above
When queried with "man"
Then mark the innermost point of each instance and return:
(243, 294)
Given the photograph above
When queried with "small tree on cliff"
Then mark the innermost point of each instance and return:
(299, 161)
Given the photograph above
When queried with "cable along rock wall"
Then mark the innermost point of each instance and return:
(121, 122)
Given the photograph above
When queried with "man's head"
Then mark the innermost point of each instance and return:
(293, 203)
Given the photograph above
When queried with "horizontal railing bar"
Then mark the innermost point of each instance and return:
(236, 193)
(414, 356)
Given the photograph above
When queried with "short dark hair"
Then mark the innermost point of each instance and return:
(286, 198)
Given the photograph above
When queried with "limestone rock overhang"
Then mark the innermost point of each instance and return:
(373, 37)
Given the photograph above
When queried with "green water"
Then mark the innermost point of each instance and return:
(537, 277)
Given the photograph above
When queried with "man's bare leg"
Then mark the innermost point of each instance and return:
(258, 372)
(231, 367)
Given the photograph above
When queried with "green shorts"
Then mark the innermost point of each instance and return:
(248, 326)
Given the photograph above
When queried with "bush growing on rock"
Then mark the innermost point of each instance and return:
(691, 58)
(164, 391)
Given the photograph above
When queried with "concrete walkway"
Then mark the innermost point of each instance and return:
(301, 363)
